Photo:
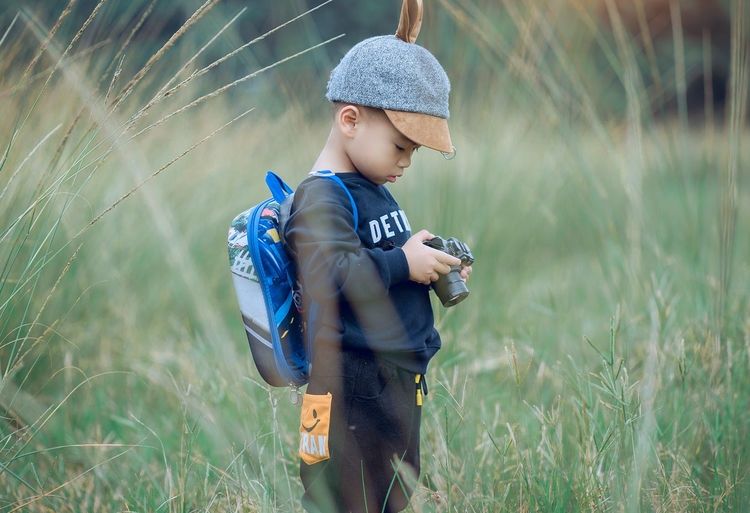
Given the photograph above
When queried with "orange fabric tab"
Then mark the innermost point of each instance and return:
(315, 421)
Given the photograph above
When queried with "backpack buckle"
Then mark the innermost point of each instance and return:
(294, 394)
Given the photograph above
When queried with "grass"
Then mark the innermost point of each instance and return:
(601, 363)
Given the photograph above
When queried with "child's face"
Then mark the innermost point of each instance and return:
(377, 149)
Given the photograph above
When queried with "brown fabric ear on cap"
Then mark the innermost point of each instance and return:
(410, 21)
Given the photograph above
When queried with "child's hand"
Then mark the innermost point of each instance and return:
(425, 263)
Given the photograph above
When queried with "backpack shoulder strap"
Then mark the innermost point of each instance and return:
(332, 176)
(279, 189)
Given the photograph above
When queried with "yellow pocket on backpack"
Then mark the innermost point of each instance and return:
(315, 421)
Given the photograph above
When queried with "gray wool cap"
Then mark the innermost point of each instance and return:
(387, 73)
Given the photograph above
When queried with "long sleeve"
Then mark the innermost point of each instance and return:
(332, 260)
(355, 283)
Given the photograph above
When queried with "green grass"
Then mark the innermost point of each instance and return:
(601, 363)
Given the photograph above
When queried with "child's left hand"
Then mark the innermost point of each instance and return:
(465, 272)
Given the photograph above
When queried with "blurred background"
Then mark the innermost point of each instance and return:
(475, 39)
(601, 180)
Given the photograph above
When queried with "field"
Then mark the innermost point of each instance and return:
(600, 364)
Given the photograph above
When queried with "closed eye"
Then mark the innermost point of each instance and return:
(402, 148)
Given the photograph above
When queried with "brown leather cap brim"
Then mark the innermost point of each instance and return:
(423, 129)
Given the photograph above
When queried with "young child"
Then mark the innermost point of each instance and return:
(368, 289)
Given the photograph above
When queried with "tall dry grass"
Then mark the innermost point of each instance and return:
(600, 364)
(56, 191)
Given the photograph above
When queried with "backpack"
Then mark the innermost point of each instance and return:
(268, 292)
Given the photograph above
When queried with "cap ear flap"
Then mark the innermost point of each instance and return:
(410, 21)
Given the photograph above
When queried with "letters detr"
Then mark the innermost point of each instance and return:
(386, 224)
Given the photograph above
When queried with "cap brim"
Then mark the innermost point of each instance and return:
(423, 129)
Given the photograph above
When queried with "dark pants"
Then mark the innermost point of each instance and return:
(373, 439)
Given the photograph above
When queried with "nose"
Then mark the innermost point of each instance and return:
(404, 161)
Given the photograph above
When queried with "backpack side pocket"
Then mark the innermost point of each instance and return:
(315, 423)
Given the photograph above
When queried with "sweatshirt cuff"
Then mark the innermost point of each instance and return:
(398, 267)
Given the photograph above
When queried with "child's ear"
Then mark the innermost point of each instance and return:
(347, 119)
(410, 21)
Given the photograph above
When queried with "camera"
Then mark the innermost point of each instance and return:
(450, 288)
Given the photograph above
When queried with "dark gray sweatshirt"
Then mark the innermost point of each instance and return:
(359, 279)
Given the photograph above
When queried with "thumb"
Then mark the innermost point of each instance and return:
(423, 235)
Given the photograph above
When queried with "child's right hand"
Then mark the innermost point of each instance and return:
(426, 263)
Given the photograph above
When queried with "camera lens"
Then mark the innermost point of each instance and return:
(451, 289)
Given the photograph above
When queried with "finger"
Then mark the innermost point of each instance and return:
(434, 276)
(423, 235)
(447, 259)
(444, 258)
(442, 268)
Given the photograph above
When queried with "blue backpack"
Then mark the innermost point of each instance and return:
(267, 288)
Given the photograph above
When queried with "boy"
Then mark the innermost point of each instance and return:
(366, 279)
